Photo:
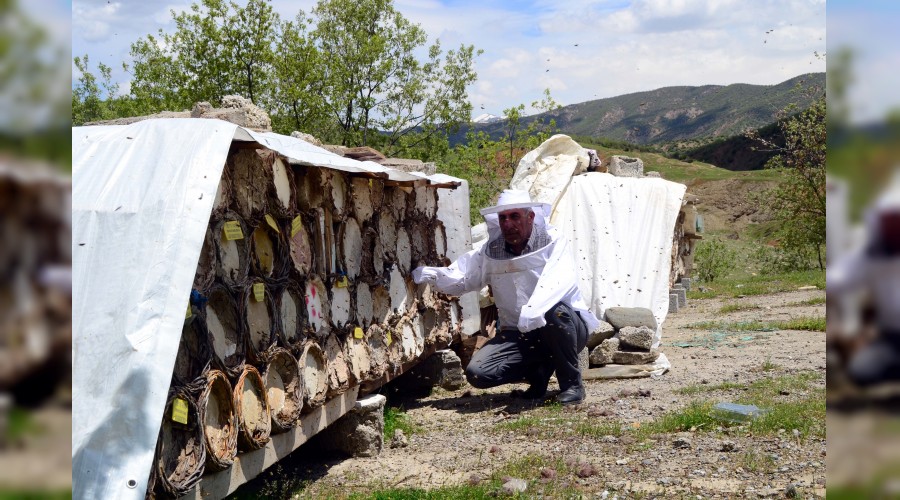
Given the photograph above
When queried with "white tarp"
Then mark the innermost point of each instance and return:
(142, 198)
(621, 231)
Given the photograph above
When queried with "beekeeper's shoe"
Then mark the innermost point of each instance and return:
(571, 396)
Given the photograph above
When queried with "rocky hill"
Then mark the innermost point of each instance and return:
(672, 114)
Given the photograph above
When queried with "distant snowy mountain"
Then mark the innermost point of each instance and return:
(486, 118)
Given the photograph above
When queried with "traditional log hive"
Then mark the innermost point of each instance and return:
(303, 290)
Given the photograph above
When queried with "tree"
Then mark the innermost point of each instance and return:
(798, 202)
(376, 83)
(217, 49)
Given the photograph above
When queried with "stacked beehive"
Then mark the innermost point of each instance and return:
(302, 291)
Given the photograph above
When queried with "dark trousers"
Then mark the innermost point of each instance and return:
(512, 356)
(877, 362)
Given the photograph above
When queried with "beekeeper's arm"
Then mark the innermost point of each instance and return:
(464, 275)
(847, 274)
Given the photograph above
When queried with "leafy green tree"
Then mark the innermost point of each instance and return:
(798, 203)
(376, 83)
(217, 49)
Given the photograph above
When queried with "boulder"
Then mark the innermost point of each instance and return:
(359, 433)
(620, 317)
(639, 337)
(601, 333)
(626, 166)
(603, 354)
(635, 357)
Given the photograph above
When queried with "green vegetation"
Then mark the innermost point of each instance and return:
(816, 324)
(364, 76)
(35, 495)
(20, 424)
(395, 418)
(728, 308)
(712, 259)
(815, 301)
(806, 414)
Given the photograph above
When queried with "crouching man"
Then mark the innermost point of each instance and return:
(543, 322)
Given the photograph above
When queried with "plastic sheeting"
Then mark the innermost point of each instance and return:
(621, 233)
(142, 198)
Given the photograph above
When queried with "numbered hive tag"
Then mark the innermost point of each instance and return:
(357, 333)
(233, 230)
(272, 223)
(259, 291)
(387, 339)
(342, 282)
(296, 224)
(188, 314)
(180, 411)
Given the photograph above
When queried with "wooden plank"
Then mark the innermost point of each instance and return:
(249, 465)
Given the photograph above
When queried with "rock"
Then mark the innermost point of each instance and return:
(603, 354)
(399, 440)
(620, 317)
(686, 283)
(494, 449)
(306, 137)
(585, 470)
(548, 473)
(475, 478)
(626, 166)
(442, 369)
(673, 303)
(238, 110)
(359, 433)
(514, 486)
(681, 294)
(790, 491)
(809, 287)
(644, 393)
(652, 173)
(601, 333)
(609, 438)
(598, 412)
(622, 461)
(682, 442)
(638, 337)
(727, 445)
(635, 357)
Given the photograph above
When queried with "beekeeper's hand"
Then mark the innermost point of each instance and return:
(422, 274)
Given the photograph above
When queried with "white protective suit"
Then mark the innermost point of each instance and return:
(524, 287)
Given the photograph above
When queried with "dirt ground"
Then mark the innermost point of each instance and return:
(458, 435)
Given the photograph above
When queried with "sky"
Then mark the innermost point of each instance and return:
(869, 29)
(580, 49)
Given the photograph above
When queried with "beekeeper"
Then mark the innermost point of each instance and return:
(543, 322)
(875, 268)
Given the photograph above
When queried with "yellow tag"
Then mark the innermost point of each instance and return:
(296, 224)
(271, 221)
(233, 230)
(370, 182)
(387, 339)
(180, 411)
(187, 315)
(342, 282)
(259, 291)
(357, 333)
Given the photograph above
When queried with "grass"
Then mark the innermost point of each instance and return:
(20, 424)
(550, 422)
(395, 418)
(728, 308)
(34, 495)
(805, 413)
(759, 284)
(804, 323)
(815, 301)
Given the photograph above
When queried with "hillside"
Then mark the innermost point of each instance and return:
(676, 113)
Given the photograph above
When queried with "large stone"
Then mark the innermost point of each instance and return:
(626, 166)
(681, 293)
(601, 333)
(673, 303)
(620, 317)
(442, 369)
(359, 433)
(635, 357)
(639, 337)
(603, 354)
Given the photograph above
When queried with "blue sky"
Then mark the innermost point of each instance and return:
(870, 30)
(579, 49)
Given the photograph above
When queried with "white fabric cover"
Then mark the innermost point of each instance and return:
(620, 229)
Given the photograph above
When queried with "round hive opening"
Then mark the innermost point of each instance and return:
(301, 251)
(283, 389)
(232, 249)
(193, 356)
(253, 410)
(314, 376)
(259, 322)
(263, 251)
(315, 301)
(282, 182)
(222, 324)
(340, 306)
(291, 323)
(219, 428)
(182, 453)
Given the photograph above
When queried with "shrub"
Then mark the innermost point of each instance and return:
(713, 259)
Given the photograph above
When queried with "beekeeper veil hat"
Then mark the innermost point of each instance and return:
(511, 199)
